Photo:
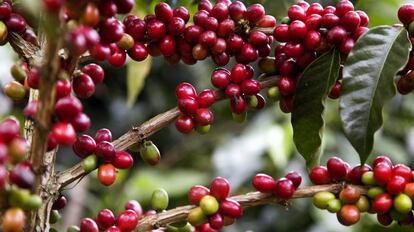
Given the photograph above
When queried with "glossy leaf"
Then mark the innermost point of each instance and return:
(136, 74)
(309, 105)
(368, 83)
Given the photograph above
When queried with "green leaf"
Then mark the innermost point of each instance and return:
(309, 105)
(368, 83)
(136, 74)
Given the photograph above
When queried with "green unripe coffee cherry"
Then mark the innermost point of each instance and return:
(362, 204)
(3, 32)
(273, 94)
(368, 178)
(403, 203)
(149, 153)
(334, 205)
(196, 217)
(15, 91)
(18, 197)
(54, 217)
(18, 73)
(321, 199)
(90, 163)
(374, 192)
(186, 228)
(239, 118)
(267, 65)
(285, 20)
(202, 129)
(209, 205)
(73, 229)
(159, 200)
(34, 202)
(411, 28)
(252, 101)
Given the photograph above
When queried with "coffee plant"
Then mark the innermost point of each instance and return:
(316, 53)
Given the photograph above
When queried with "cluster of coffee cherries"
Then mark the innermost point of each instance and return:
(283, 188)
(213, 207)
(16, 177)
(24, 78)
(194, 109)
(309, 31)
(220, 31)
(11, 21)
(99, 151)
(239, 87)
(405, 84)
(385, 189)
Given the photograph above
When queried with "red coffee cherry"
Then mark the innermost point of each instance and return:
(105, 219)
(134, 206)
(138, 52)
(124, 6)
(406, 13)
(284, 188)
(196, 193)
(206, 98)
(95, 71)
(108, 9)
(103, 135)
(216, 221)
(396, 185)
(337, 169)
(60, 203)
(220, 78)
(349, 195)
(22, 175)
(100, 52)
(3, 177)
(381, 159)
(281, 33)
(234, 43)
(64, 133)
(319, 175)
(343, 6)
(356, 173)
(84, 146)
(382, 203)
(205, 5)
(203, 117)
(111, 31)
(336, 35)
(105, 151)
(163, 12)
(348, 215)
(182, 13)
(231, 208)
(188, 105)
(67, 108)
(296, 12)
(330, 20)
(313, 22)
(255, 12)
(250, 87)
(156, 29)
(220, 188)
(83, 86)
(315, 8)
(135, 27)
(123, 160)
(184, 124)
(106, 174)
(127, 220)
(237, 10)
(88, 225)
(220, 11)
(5, 10)
(238, 73)
(185, 90)
(81, 123)
(286, 86)
(297, 31)
(238, 105)
(63, 88)
(264, 183)
(295, 177)
(403, 171)
(33, 78)
(9, 129)
(382, 173)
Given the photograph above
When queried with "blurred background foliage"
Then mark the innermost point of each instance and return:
(133, 94)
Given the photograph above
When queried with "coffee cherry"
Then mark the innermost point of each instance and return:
(356, 173)
(321, 199)
(349, 195)
(382, 159)
(149, 153)
(337, 168)
(286, 86)
(106, 174)
(209, 205)
(60, 203)
(88, 225)
(182, 12)
(103, 135)
(368, 178)
(17, 150)
(67, 108)
(255, 12)
(185, 90)
(384, 219)
(203, 117)
(90, 163)
(348, 215)
(105, 219)
(296, 12)
(81, 123)
(196, 217)
(15, 23)
(343, 6)
(105, 151)
(206, 98)
(231, 208)
(13, 220)
(100, 52)
(83, 86)
(238, 105)
(159, 199)
(406, 13)
(95, 72)
(220, 188)
(216, 221)
(284, 188)
(382, 173)
(409, 190)
(111, 31)
(334, 205)
(382, 203)
(403, 203)
(220, 78)
(396, 185)
(5, 10)
(351, 21)
(184, 124)
(156, 29)
(15, 91)
(63, 133)
(122, 160)
(134, 206)
(188, 105)
(220, 11)
(297, 31)
(319, 175)
(295, 177)
(196, 193)
(63, 88)
(264, 183)
(403, 171)
(127, 220)
(373, 192)
(237, 10)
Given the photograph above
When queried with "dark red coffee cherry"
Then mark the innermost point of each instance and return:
(319, 175)
(286, 86)
(88, 225)
(382, 173)
(343, 6)
(403, 171)
(123, 160)
(396, 185)
(184, 124)
(185, 90)
(164, 12)
(84, 146)
(134, 206)
(63, 88)
(231, 208)
(296, 12)
(206, 98)
(81, 123)
(64, 133)
(203, 117)
(255, 12)
(22, 175)
(127, 220)
(103, 135)
(216, 221)
(196, 193)
(83, 86)
(67, 108)
(105, 151)
(264, 183)
(284, 188)
(182, 13)
(111, 31)
(220, 78)
(295, 177)
(382, 203)
(250, 87)
(406, 13)
(9, 129)
(105, 219)
(220, 188)
(95, 71)
(60, 203)
(188, 105)
(337, 169)
(156, 29)
(382, 159)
